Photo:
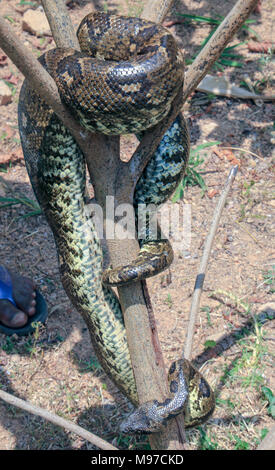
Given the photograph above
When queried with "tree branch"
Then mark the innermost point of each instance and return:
(102, 156)
(195, 72)
(53, 418)
(38, 77)
(147, 147)
(60, 22)
(214, 47)
(156, 10)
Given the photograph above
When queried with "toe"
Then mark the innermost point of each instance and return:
(24, 294)
(19, 319)
(11, 316)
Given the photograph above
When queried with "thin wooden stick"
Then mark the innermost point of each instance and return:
(203, 264)
(53, 418)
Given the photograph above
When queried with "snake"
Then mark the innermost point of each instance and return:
(122, 81)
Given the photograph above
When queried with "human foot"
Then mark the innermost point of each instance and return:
(23, 292)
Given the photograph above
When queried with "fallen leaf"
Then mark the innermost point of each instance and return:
(256, 300)
(212, 193)
(169, 23)
(4, 158)
(5, 93)
(11, 79)
(35, 22)
(228, 154)
(258, 7)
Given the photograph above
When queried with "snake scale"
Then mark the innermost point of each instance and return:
(123, 81)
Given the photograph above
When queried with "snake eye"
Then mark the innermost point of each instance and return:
(172, 368)
(173, 386)
(204, 388)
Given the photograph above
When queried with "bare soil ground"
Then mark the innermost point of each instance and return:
(56, 367)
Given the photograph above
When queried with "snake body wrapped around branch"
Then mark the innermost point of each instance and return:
(124, 80)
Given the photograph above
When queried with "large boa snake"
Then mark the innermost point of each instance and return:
(123, 81)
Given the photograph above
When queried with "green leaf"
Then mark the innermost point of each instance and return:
(9, 18)
(209, 344)
(241, 444)
(206, 144)
(231, 63)
(268, 393)
(204, 19)
(178, 194)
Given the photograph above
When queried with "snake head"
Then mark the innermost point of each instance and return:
(143, 420)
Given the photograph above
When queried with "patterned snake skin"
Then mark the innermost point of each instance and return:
(124, 80)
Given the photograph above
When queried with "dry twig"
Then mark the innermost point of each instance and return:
(36, 410)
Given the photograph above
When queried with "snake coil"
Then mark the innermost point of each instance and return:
(123, 80)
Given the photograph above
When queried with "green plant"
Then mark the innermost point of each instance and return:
(8, 346)
(31, 344)
(9, 18)
(169, 300)
(228, 57)
(240, 443)
(90, 366)
(24, 2)
(193, 176)
(11, 201)
(268, 395)
(263, 433)
(246, 369)
(11, 87)
(207, 310)
(205, 441)
(3, 170)
(209, 344)
(132, 442)
(229, 403)
(247, 188)
(269, 279)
